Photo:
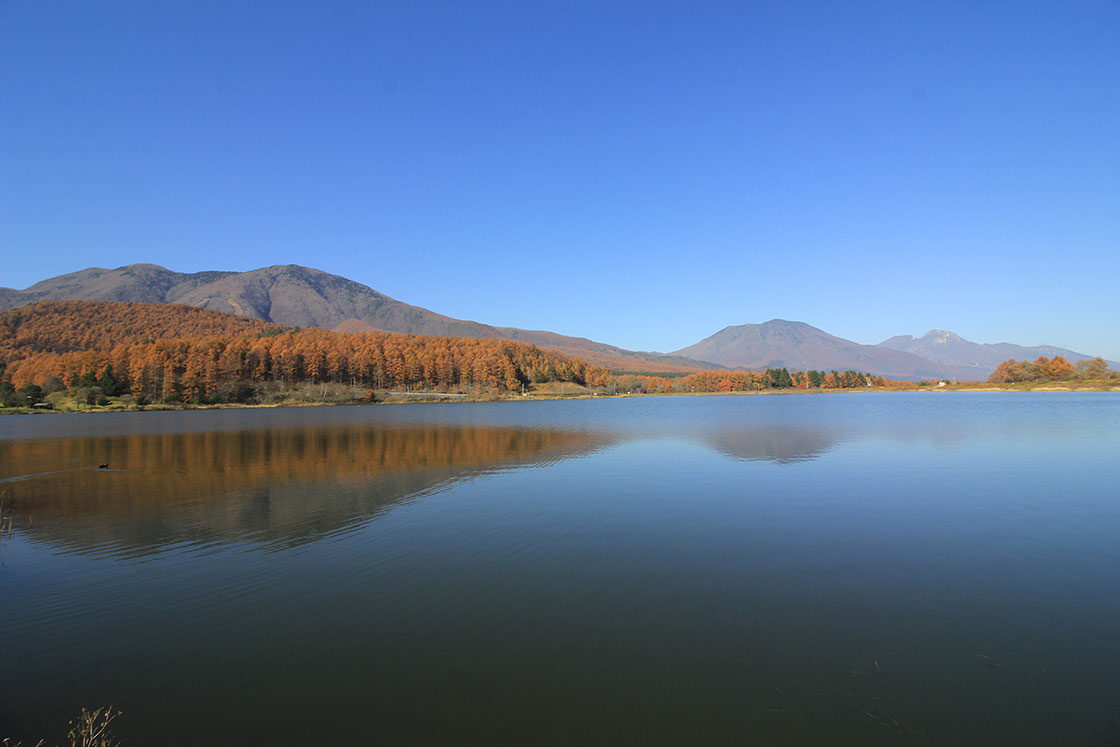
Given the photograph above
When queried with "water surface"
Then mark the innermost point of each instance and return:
(911, 568)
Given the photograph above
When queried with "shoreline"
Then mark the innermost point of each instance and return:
(432, 398)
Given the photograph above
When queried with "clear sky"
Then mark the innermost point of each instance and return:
(642, 173)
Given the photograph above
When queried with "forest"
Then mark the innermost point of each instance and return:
(1052, 369)
(754, 381)
(180, 355)
(143, 350)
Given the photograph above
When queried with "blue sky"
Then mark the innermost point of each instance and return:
(643, 174)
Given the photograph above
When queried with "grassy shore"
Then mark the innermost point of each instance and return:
(1107, 385)
(311, 395)
(321, 395)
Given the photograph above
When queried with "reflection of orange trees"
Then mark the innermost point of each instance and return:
(282, 481)
(168, 467)
(38, 345)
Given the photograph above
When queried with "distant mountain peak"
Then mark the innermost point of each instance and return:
(781, 343)
(941, 337)
(945, 347)
(142, 266)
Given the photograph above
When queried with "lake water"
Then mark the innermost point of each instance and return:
(936, 568)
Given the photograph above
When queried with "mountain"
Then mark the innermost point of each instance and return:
(942, 346)
(306, 297)
(143, 282)
(608, 356)
(284, 294)
(796, 345)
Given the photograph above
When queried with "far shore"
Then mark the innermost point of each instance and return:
(437, 397)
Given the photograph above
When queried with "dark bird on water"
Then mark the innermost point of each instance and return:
(103, 466)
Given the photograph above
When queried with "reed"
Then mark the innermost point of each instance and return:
(87, 729)
(5, 524)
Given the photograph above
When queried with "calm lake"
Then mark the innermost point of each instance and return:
(937, 568)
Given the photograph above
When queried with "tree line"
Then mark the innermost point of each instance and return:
(180, 354)
(754, 381)
(1052, 369)
(217, 368)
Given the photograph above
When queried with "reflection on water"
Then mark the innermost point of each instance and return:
(287, 484)
(274, 478)
(889, 569)
(784, 445)
(276, 486)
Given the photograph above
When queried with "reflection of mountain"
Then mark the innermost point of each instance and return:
(773, 443)
(279, 486)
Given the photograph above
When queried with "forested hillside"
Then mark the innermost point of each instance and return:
(65, 326)
(178, 353)
(305, 297)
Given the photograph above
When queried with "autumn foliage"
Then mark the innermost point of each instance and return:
(65, 326)
(151, 350)
(756, 381)
(174, 353)
(1051, 369)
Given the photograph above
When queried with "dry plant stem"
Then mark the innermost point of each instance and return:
(91, 728)
(5, 528)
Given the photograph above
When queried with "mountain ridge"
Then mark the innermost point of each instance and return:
(780, 343)
(306, 297)
(944, 346)
(302, 296)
